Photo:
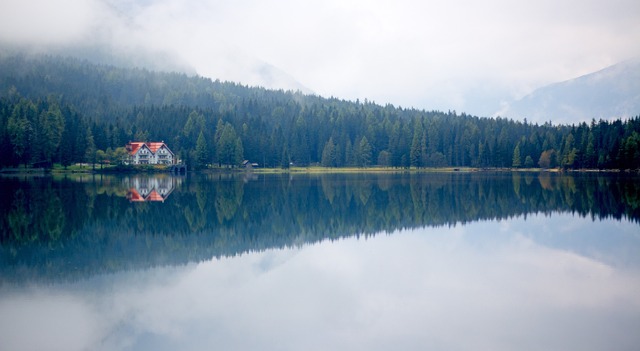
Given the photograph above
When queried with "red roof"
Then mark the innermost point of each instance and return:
(154, 196)
(134, 146)
(154, 146)
(134, 196)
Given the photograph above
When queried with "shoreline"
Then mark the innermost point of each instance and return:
(297, 170)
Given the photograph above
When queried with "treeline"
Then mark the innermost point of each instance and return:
(67, 111)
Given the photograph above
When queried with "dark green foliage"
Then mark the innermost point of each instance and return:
(329, 154)
(528, 162)
(364, 153)
(516, 162)
(202, 152)
(59, 229)
(65, 110)
(229, 147)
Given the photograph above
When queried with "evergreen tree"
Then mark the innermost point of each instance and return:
(364, 153)
(20, 130)
(516, 163)
(569, 152)
(384, 158)
(202, 152)
(229, 148)
(329, 154)
(590, 152)
(90, 150)
(52, 124)
(528, 162)
(66, 149)
(239, 151)
(349, 154)
(192, 129)
(285, 160)
(415, 153)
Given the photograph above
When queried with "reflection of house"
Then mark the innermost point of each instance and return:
(150, 189)
(151, 153)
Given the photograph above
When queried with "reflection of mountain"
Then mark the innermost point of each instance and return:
(151, 188)
(64, 229)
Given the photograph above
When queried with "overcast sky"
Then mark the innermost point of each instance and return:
(459, 55)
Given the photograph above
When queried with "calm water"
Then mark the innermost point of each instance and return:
(336, 262)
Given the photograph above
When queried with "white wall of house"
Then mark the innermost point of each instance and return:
(144, 156)
(163, 156)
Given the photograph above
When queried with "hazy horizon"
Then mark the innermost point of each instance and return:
(463, 55)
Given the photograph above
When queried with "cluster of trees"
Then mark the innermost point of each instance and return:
(65, 110)
(41, 132)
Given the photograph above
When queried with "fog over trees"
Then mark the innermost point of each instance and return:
(61, 110)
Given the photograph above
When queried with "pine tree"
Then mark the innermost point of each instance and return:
(590, 152)
(285, 160)
(364, 152)
(528, 162)
(516, 157)
(90, 150)
(20, 129)
(229, 149)
(52, 125)
(202, 152)
(238, 152)
(415, 153)
(329, 154)
(569, 152)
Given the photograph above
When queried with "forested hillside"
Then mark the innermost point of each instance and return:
(65, 110)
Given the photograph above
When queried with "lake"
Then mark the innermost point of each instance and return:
(406, 261)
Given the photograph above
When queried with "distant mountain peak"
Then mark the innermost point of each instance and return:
(613, 92)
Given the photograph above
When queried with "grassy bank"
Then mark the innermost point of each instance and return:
(318, 169)
(115, 169)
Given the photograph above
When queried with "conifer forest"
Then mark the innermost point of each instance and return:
(63, 110)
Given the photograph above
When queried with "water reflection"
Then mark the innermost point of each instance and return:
(156, 188)
(485, 285)
(68, 229)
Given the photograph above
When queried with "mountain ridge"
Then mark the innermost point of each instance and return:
(609, 93)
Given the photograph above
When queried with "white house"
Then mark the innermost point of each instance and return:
(151, 153)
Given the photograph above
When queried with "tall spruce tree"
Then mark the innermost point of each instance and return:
(516, 160)
(202, 152)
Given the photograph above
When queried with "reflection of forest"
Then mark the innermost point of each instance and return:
(67, 228)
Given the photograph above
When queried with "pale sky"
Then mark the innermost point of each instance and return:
(461, 55)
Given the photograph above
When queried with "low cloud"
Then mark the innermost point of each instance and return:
(45, 22)
(460, 55)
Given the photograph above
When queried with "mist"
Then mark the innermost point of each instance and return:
(463, 55)
(86, 29)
